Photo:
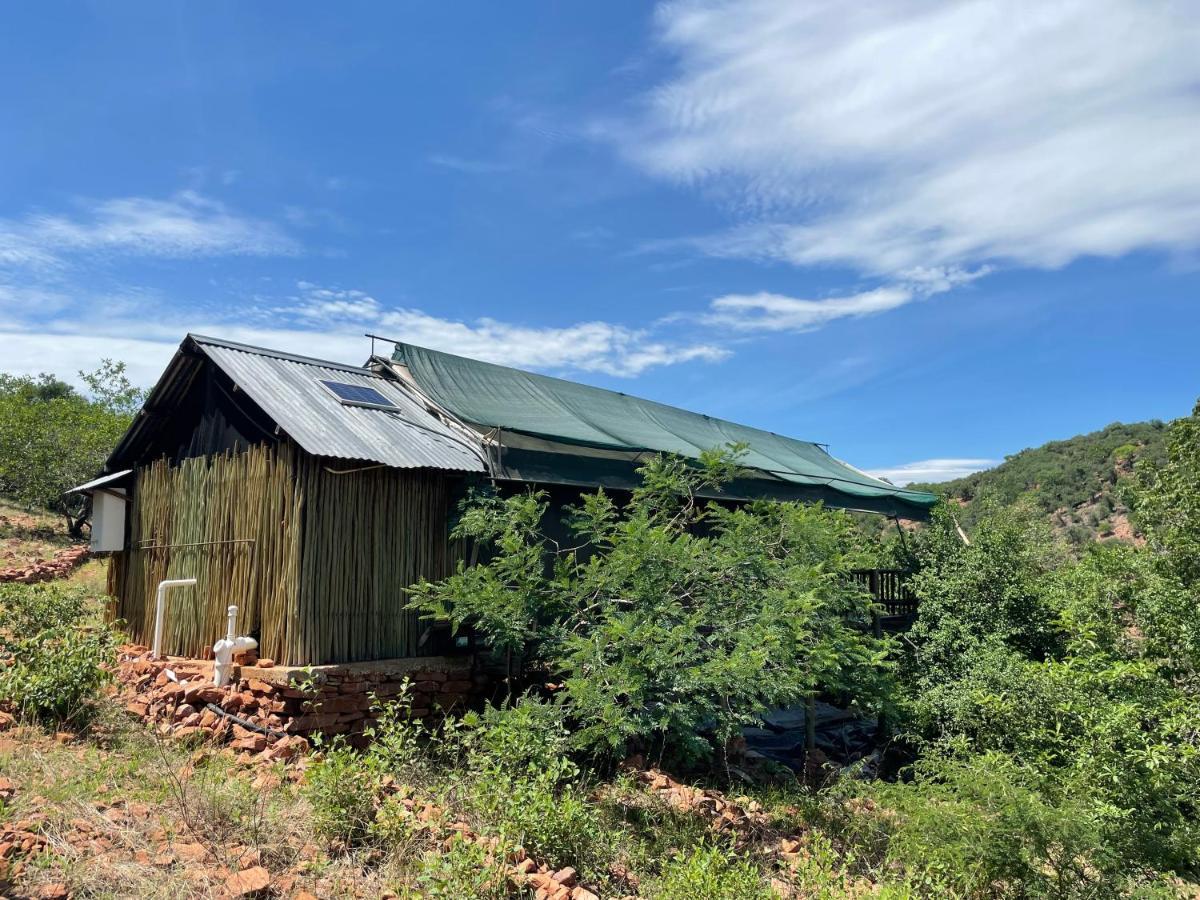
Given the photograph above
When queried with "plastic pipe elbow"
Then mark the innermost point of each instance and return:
(224, 651)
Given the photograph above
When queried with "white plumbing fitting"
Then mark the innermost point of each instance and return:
(160, 601)
(225, 649)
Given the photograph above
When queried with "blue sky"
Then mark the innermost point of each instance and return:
(915, 231)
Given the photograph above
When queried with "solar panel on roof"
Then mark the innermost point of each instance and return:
(358, 395)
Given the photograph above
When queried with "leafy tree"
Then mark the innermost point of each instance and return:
(52, 437)
(669, 618)
(991, 592)
(1166, 499)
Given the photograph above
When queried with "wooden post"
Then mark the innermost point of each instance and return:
(810, 723)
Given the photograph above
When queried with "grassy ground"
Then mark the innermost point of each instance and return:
(27, 536)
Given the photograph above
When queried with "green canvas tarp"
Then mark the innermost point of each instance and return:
(565, 412)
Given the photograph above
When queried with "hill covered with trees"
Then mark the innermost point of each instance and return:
(1077, 483)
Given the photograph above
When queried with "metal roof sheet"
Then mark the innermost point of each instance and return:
(89, 486)
(288, 389)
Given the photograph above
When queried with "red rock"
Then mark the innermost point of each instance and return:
(266, 663)
(191, 852)
(565, 876)
(252, 882)
(252, 744)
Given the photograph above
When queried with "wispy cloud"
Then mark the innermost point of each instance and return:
(891, 135)
(933, 471)
(776, 312)
(469, 166)
(184, 225)
(594, 346)
(316, 320)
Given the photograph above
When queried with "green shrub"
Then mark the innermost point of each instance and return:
(463, 869)
(671, 622)
(709, 873)
(520, 782)
(341, 792)
(996, 590)
(54, 659)
(982, 826)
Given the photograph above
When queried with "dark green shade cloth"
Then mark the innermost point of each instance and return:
(493, 396)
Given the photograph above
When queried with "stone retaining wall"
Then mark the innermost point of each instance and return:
(289, 701)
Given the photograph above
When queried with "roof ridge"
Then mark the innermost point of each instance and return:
(280, 354)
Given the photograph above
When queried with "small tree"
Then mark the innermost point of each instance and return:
(52, 437)
(672, 622)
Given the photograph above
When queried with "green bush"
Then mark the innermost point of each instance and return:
(994, 591)
(709, 873)
(521, 783)
(52, 437)
(463, 869)
(341, 791)
(981, 826)
(671, 622)
(54, 658)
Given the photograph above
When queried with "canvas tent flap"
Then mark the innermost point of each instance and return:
(494, 396)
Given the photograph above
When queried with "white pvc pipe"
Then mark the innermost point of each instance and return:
(225, 649)
(160, 602)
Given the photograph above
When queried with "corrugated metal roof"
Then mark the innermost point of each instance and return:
(89, 486)
(288, 389)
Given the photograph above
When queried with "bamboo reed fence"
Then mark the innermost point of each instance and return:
(316, 557)
(368, 535)
(232, 522)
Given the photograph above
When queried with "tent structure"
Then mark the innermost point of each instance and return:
(547, 429)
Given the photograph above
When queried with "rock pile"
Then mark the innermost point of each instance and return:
(180, 697)
(267, 711)
(63, 564)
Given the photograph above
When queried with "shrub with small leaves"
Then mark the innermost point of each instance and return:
(53, 658)
(341, 792)
(710, 873)
(464, 869)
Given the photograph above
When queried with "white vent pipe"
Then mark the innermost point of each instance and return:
(225, 649)
(160, 602)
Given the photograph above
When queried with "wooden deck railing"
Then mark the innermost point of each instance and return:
(889, 589)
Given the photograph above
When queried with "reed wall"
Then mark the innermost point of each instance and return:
(316, 556)
(369, 533)
(232, 522)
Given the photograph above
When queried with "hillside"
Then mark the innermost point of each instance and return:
(1074, 482)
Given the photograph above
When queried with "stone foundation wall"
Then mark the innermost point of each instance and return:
(289, 702)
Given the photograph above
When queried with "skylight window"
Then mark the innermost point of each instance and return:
(358, 395)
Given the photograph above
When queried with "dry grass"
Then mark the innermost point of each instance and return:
(28, 536)
(125, 815)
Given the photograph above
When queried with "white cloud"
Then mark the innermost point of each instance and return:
(184, 225)
(469, 166)
(775, 312)
(324, 322)
(933, 471)
(585, 346)
(893, 134)
(321, 304)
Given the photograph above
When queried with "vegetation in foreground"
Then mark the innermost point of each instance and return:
(1046, 705)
